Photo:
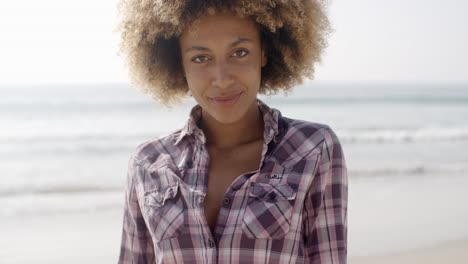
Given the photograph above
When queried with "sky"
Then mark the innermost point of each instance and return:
(56, 41)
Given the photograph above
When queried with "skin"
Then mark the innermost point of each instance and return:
(222, 60)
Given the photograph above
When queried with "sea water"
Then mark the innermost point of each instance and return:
(65, 148)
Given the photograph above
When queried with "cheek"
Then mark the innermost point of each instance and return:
(194, 79)
(249, 72)
(196, 86)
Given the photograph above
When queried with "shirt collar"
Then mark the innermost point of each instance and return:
(270, 116)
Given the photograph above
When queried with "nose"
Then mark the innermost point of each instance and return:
(222, 76)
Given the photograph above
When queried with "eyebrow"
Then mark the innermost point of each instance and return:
(237, 42)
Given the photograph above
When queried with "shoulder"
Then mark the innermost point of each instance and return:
(157, 150)
(310, 131)
(299, 139)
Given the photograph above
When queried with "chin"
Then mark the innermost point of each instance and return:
(226, 117)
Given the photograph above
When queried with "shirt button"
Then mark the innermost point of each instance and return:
(272, 196)
(211, 243)
(227, 201)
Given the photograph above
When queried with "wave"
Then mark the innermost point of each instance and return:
(59, 199)
(60, 203)
(61, 189)
(378, 100)
(78, 137)
(363, 134)
(82, 107)
(410, 170)
(392, 170)
(17, 107)
(118, 96)
(49, 145)
(63, 199)
(396, 135)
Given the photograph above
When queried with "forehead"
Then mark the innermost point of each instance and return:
(220, 25)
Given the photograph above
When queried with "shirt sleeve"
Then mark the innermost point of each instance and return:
(136, 243)
(325, 211)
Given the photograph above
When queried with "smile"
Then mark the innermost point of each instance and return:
(226, 100)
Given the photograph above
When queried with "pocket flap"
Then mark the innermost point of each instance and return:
(271, 192)
(157, 198)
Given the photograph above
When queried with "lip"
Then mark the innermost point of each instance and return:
(226, 100)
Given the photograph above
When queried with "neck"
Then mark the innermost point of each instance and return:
(223, 136)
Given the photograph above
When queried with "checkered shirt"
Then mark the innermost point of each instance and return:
(293, 209)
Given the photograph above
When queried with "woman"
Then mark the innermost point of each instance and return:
(239, 183)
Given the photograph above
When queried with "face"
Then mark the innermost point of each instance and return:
(222, 60)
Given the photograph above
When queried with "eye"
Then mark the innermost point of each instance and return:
(240, 53)
(200, 59)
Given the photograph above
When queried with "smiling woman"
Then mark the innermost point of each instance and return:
(222, 62)
(294, 33)
(239, 183)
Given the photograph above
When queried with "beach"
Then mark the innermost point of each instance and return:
(94, 237)
(65, 152)
(454, 252)
(387, 223)
(90, 237)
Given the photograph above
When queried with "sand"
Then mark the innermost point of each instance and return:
(454, 252)
(94, 237)
(90, 237)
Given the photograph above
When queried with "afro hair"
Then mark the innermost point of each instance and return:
(294, 33)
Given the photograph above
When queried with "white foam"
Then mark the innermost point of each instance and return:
(427, 134)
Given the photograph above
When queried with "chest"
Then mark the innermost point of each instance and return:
(225, 167)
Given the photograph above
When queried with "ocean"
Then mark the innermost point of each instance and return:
(65, 148)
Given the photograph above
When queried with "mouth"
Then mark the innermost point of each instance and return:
(227, 100)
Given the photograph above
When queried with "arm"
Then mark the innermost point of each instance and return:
(136, 244)
(325, 211)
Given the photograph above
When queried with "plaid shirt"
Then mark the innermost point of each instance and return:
(292, 210)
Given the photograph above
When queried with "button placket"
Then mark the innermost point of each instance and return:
(211, 243)
(201, 200)
(227, 201)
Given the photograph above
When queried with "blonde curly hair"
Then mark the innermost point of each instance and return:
(293, 32)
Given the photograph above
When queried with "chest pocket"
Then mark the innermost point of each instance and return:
(268, 211)
(164, 211)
